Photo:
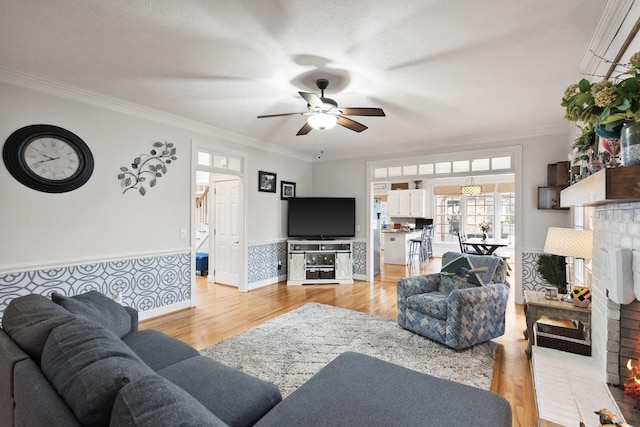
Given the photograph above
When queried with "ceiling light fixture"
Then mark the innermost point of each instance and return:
(322, 121)
(471, 189)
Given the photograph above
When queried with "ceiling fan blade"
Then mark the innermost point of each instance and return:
(283, 114)
(351, 124)
(363, 111)
(304, 129)
(312, 99)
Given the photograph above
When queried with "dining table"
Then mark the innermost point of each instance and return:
(486, 246)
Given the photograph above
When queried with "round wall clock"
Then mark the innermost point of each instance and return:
(48, 158)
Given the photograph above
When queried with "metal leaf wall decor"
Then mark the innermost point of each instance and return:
(147, 168)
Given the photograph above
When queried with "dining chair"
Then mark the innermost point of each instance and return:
(462, 238)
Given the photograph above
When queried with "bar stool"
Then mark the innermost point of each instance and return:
(415, 248)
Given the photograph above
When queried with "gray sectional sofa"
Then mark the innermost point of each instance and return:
(81, 361)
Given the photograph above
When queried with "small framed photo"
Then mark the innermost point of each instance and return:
(266, 182)
(287, 190)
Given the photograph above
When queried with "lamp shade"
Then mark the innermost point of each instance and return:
(471, 189)
(322, 121)
(569, 242)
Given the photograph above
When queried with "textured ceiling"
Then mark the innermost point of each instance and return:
(441, 70)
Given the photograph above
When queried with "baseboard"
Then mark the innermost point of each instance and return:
(160, 311)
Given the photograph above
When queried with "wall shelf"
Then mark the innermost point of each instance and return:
(605, 186)
(549, 197)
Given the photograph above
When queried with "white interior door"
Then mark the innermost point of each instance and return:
(226, 251)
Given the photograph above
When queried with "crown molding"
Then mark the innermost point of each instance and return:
(473, 142)
(51, 87)
(613, 15)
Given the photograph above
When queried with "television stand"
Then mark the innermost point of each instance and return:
(320, 261)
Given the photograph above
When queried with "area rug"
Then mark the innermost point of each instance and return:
(291, 348)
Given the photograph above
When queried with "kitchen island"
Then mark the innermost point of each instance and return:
(396, 245)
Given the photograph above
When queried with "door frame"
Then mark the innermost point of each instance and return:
(213, 149)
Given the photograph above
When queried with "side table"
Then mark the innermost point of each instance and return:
(536, 306)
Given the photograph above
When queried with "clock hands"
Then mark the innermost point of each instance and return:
(49, 158)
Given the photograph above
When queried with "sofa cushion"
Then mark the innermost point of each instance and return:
(87, 365)
(29, 319)
(432, 304)
(452, 283)
(99, 309)
(238, 399)
(158, 350)
(153, 401)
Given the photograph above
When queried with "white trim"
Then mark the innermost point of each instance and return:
(18, 268)
(612, 17)
(52, 87)
(443, 148)
(211, 148)
(165, 309)
(266, 282)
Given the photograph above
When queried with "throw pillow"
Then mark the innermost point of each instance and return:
(460, 267)
(99, 309)
(452, 283)
(29, 319)
(154, 401)
(88, 365)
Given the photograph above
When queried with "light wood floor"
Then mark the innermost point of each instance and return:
(222, 312)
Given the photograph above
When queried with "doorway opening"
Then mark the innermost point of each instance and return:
(219, 220)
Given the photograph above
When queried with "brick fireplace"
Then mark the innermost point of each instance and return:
(615, 328)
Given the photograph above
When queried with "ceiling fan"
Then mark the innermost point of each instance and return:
(324, 112)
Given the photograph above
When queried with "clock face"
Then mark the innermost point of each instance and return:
(48, 158)
(51, 158)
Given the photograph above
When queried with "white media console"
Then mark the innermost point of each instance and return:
(320, 261)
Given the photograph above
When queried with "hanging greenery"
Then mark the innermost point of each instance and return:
(147, 168)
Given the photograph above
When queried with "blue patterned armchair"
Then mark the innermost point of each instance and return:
(453, 312)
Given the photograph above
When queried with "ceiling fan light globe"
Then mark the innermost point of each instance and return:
(322, 121)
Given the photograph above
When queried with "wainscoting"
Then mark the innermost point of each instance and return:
(148, 284)
(531, 280)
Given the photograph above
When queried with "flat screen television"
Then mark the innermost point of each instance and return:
(321, 217)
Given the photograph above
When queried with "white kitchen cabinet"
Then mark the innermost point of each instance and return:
(393, 203)
(409, 203)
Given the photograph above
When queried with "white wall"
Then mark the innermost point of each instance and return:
(348, 177)
(97, 221)
(345, 178)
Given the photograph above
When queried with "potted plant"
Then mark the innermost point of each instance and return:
(552, 268)
(417, 182)
(611, 107)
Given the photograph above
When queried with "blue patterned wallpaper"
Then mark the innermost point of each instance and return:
(263, 261)
(360, 258)
(531, 280)
(146, 283)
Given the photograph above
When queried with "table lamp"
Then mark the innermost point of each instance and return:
(572, 243)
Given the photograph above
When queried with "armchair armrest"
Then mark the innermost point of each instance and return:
(476, 315)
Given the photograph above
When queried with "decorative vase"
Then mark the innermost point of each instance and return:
(484, 236)
(630, 144)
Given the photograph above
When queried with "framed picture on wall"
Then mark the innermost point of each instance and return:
(287, 189)
(266, 182)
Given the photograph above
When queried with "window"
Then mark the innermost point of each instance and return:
(465, 213)
(507, 215)
(221, 162)
(447, 222)
(479, 209)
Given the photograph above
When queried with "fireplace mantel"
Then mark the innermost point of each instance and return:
(609, 185)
